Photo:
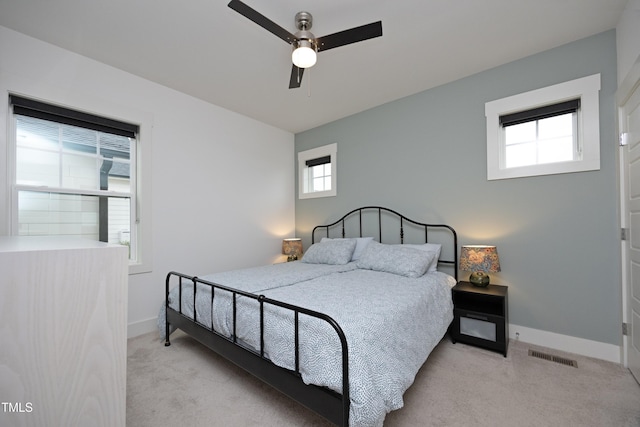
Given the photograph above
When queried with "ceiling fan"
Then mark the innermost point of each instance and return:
(305, 44)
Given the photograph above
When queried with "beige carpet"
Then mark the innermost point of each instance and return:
(187, 385)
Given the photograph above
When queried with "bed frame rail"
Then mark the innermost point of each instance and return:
(327, 403)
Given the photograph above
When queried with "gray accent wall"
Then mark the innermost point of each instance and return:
(425, 156)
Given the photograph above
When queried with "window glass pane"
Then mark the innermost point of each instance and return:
(36, 167)
(554, 127)
(327, 176)
(543, 141)
(555, 150)
(520, 155)
(58, 155)
(320, 177)
(43, 214)
(520, 133)
(318, 184)
(121, 184)
(115, 146)
(36, 133)
(79, 140)
(80, 172)
(317, 171)
(119, 222)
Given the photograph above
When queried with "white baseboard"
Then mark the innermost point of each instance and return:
(584, 347)
(142, 327)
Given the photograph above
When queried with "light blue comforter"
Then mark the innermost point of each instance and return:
(255, 280)
(391, 322)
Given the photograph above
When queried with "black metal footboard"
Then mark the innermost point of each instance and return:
(327, 403)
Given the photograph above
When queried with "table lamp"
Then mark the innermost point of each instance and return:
(480, 260)
(292, 247)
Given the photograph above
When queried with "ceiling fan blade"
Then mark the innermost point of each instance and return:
(353, 35)
(261, 20)
(296, 77)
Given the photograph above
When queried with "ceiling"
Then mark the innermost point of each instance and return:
(205, 49)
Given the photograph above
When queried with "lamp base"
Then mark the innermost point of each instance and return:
(292, 258)
(479, 279)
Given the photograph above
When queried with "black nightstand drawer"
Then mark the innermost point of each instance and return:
(479, 328)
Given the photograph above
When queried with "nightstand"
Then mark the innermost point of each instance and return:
(480, 316)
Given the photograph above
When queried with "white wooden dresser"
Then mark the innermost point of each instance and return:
(63, 332)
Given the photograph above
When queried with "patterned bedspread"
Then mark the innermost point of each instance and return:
(391, 322)
(255, 280)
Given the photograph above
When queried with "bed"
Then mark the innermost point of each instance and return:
(345, 330)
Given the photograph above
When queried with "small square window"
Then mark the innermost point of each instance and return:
(546, 131)
(317, 172)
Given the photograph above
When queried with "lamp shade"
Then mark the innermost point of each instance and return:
(292, 248)
(479, 259)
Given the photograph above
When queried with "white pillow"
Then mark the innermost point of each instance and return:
(434, 248)
(396, 259)
(361, 243)
(336, 252)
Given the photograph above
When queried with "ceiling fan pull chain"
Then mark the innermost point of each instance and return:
(309, 84)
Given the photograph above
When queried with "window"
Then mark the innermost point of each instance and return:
(541, 135)
(547, 131)
(317, 172)
(75, 174)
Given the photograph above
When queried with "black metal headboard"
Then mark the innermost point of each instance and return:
(379, 215)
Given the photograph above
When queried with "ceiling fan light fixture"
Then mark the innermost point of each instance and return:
(304, 54)
(305, 44)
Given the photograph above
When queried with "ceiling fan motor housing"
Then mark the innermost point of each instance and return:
(304, 21)
(305, 36)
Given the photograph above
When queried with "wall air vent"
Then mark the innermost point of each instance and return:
(553, 358)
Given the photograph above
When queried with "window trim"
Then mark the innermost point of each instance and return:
(52, 113)
(330, 151)
(586, 89)
(142, 159)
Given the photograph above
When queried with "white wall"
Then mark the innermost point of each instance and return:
(219, 186)
(628, 38)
